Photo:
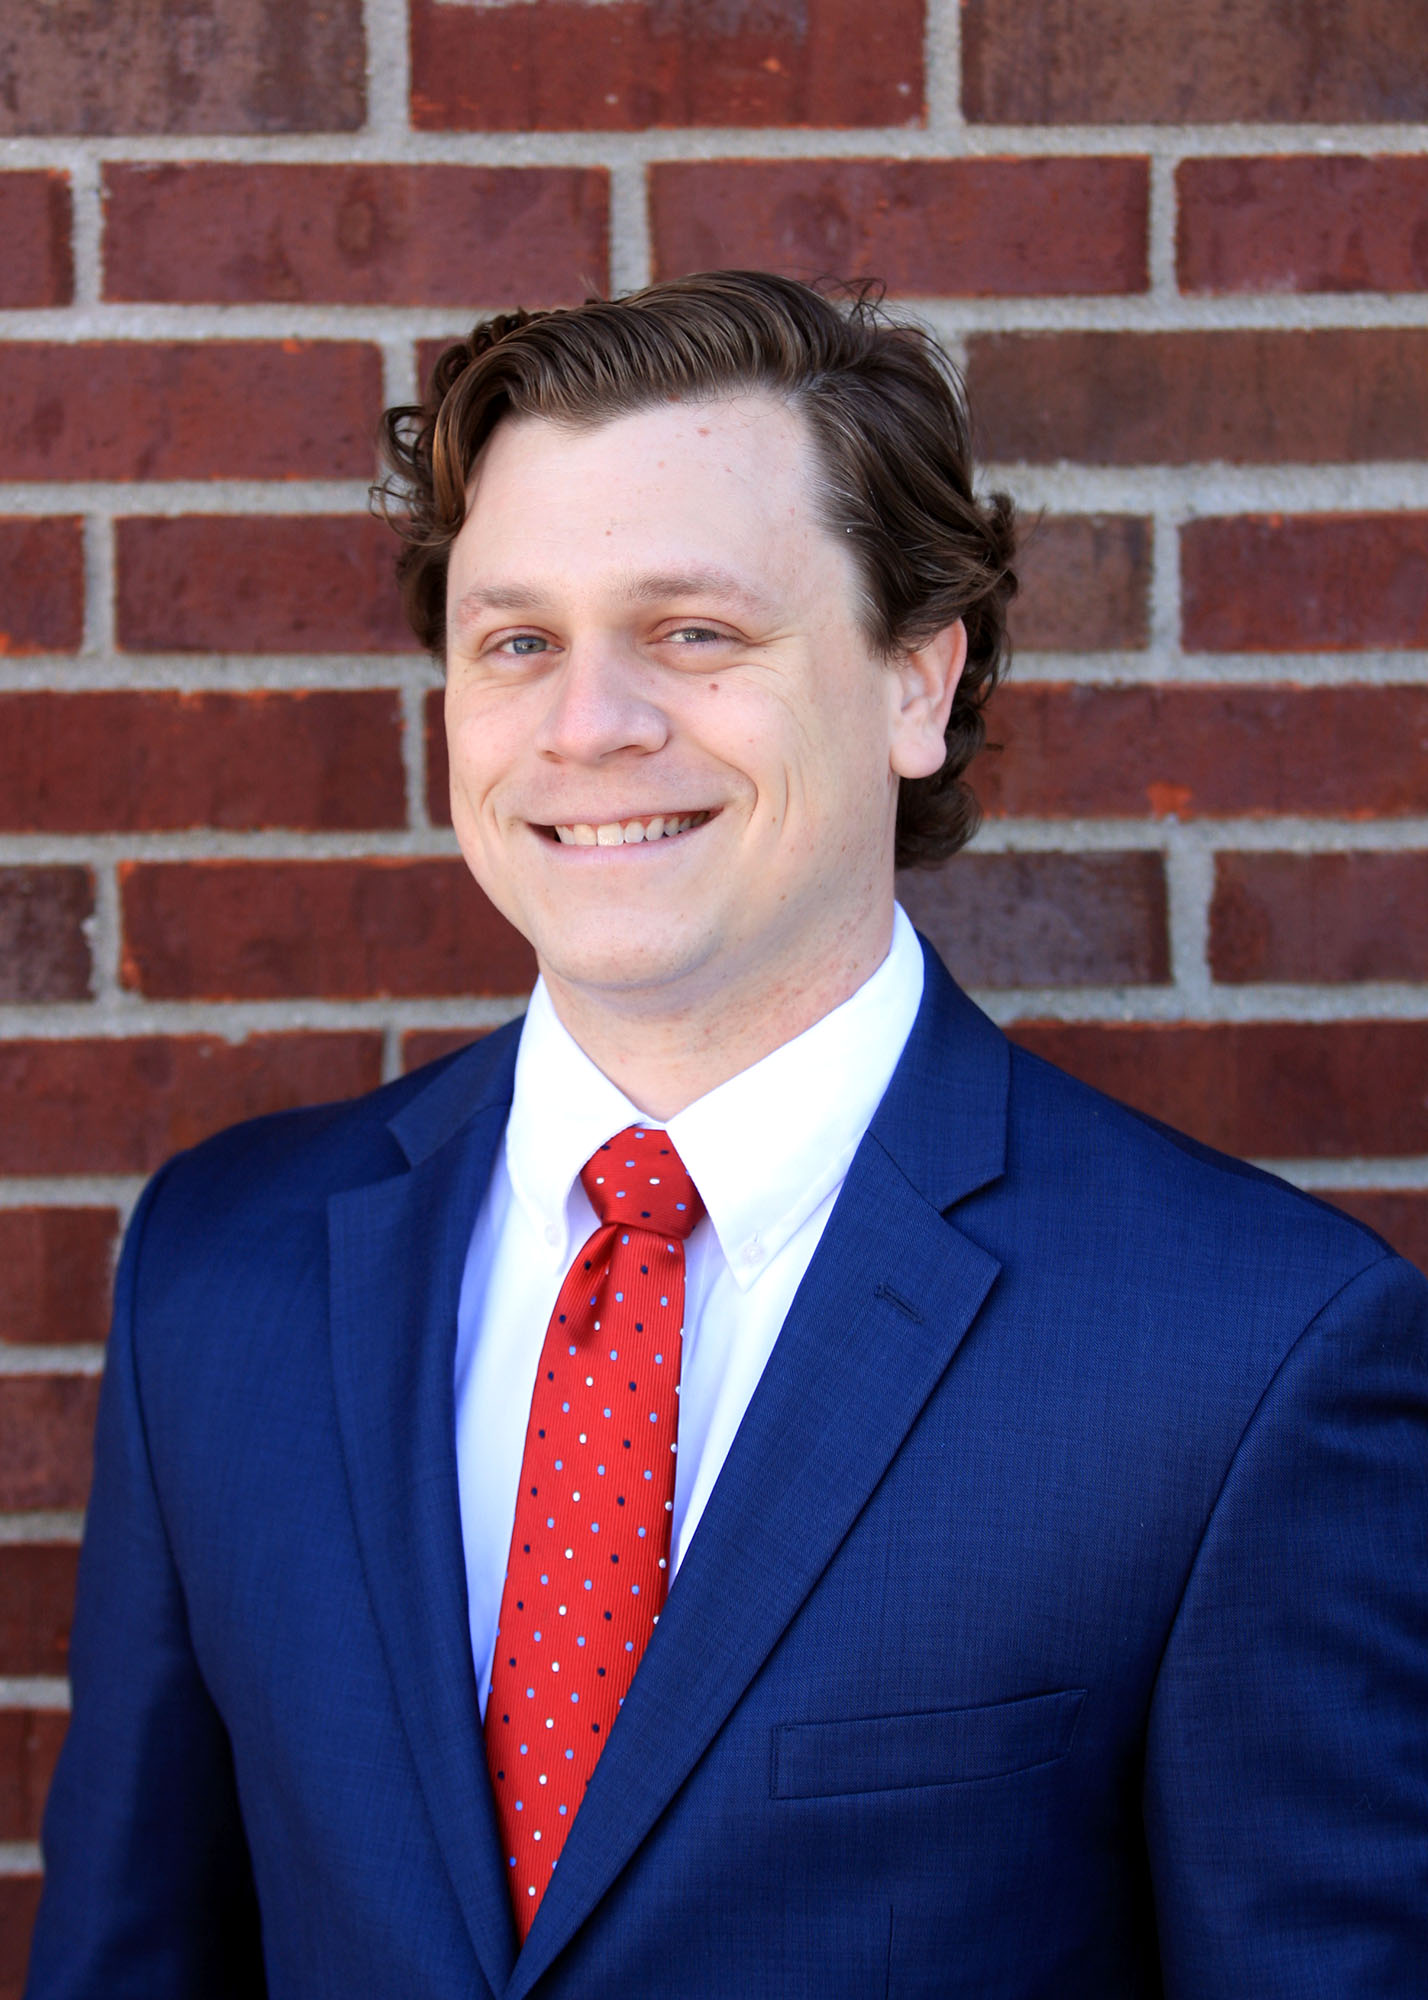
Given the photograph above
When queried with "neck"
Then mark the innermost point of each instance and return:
(666, 1051)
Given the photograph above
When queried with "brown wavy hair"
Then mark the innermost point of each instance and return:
(887, 416)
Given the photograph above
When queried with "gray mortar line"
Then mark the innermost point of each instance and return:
(56, 1360)
(87, 225)
(131, 1016)
(21, 1857)
(1157, 666)
(1218, 1006)
(118, 1191)
(942, 78)
(1190, 888)
(97, 641)
(1286, 833)
(31, 1691)
(413, 698)
(631, 250)
(1408, 1175)
(388, 70)
(1164, 605)
(52, 1525)
(105, 930)
(399, 371)
(1163, 291)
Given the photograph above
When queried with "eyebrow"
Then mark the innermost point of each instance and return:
(647, 589)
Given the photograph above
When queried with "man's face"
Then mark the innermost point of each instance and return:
(674, 754)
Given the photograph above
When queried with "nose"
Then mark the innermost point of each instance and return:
(599, 705)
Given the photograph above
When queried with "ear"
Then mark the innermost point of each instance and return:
(925, 680)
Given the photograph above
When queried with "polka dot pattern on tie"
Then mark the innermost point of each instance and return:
(589, 1561)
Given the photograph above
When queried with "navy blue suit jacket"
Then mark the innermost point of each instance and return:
(1057, 1627)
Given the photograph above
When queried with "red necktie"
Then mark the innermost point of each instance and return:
(589, 1562)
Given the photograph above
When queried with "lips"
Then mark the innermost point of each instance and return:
(629, 832)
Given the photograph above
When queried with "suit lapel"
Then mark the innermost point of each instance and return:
(397, 1253)
(882, 1309)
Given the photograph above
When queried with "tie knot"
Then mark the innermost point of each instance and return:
(637, 1178)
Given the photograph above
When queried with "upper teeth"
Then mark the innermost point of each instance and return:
(625, 833)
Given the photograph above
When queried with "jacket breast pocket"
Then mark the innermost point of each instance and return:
(949, 1746)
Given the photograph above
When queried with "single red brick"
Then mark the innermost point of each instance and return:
(123, 1105)
(30, 1740)
(970, 227)
(359, 235)
(46, 1439)
(1128, 752)
(1303, 224)
(1085, 584)
(128, 761)
(425, 1045)
(269, 930)
(36, 1602)
(1272, 1089)
(1305, 583)
(41, 582)
(160, 66)
(35, 227)
(44, 953)
(1045, 919)
(1246, 397)
(269, 583)
(19, 1900)
(1401, 1217)
(1060, 62)
(1319, 917)
(569, 65)
(56, 1267)
(438, 764)
(233, 409)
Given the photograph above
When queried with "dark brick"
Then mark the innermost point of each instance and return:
(1130, 752)
(562, 65)
(19, 1900)
(41, 583)
(268, 583)
(1246, 397)
(56, 1266)
(438, 764)
(359, 235)
(939, 227)
(424, 1045)
(36, 1602)
(1045, 919)
(1271, 1089)
(1303, 224)
(1320, 917)
(232, 409)
(1307, 583)
(266, 930)
(44, 954)
(121, 761)
(123, 1105)
(35, 227)
(1074, 62)
(169, 66)
(46, 1439)
(1085, 584)
(30, 1740)
(1402, 1218)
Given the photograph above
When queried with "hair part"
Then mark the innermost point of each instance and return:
(887, 417)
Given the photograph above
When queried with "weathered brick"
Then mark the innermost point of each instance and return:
(1045, 919)
(1246, 397)
(1307, 583)
(168, 66)
(19, 1900)
(36, 1602)
(46, 1439)
(1128, 752)
(116, 760)
(1085, 584)
(1300, 224)
(55, 1275)
(123, 1105)
(44, 953)
(424, 1045)
(358, 235)
(267, 583)
(250, 930)
(1271, 1089)
(936, 227)
(232, 409)
(1075, 62)
(41, 583)
(1320, 917)
(35, 227)
(438, 764)
(30, 1740)
(580, 65)
(1401, 1217)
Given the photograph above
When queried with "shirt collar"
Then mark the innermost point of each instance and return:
(764, 1148)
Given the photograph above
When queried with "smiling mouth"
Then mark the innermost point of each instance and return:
(629, 832)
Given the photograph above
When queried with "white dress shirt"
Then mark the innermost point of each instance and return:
(767, 1150)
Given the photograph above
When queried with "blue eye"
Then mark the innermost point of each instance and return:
(526, 643)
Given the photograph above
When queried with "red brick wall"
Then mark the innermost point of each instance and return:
(1182, 250)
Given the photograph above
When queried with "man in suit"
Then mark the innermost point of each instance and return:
(742, 1483)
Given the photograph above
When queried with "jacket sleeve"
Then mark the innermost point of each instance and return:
(1286, 1782)
(148, 1890)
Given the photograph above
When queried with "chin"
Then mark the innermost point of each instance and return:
(617, 958)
